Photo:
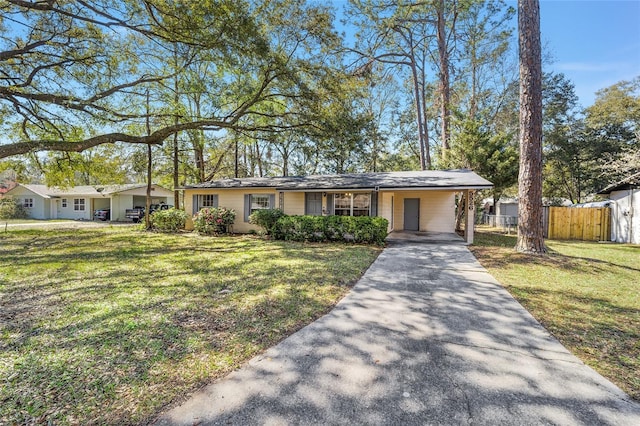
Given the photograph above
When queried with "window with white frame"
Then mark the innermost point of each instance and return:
(259, 202)
(361, 204)
(64, 202)
(348, 204)
(28, 203)
(342, 204)
(78, 204)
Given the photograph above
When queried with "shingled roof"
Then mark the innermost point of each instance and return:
(632, 181)
(428, 179)
(86, 190)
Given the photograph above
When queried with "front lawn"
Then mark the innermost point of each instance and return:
(106, 326)
(586, 294)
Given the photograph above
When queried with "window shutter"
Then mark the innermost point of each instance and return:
(215, 201)
(272, 201)
(247, 207)
(330, 204)
(306, 203)
(195, 204)
(374, 204)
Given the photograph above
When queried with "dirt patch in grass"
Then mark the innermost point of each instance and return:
(586, 294)
(107, 326)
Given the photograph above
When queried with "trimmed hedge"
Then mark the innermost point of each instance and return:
(266, 219)
(359, 229)
(170, 220)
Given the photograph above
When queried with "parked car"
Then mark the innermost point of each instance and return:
(136, 214)
(102, 214)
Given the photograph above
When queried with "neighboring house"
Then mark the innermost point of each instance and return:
(507, 207)
(6, 187)
(625, 209)
(415, 201)
(80, 202)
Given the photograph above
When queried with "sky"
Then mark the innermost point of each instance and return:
(594, 43)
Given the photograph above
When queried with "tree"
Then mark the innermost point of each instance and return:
(584, 154)
(530, 228)
(477, 148)
(614, 122)
(396, 35)
(75, 73)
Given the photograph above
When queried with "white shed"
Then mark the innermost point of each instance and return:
(625, 209)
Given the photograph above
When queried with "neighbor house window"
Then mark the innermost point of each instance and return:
(348, 204)
(253, 202)
(78, 204)
(28, 203)
(64, 202)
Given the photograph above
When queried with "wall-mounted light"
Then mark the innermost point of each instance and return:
(324, 194)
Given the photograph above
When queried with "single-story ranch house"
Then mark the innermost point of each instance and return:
(625, 205)
(79, 202)
(413, 201)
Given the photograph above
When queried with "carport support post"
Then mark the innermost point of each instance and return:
(471, 215)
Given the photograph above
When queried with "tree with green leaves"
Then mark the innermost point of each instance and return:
(77, 73)
(614, 122)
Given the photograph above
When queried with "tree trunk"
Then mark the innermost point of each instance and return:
(147, 210)
(530, 227)
(419, 114)
(445, 95)
(176, 168)
(147, 213)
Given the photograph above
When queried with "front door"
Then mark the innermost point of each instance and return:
(313, 203)
(412, 214)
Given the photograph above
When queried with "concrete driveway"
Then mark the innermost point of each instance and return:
(427, 336)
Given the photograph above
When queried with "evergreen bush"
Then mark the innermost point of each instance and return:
(266, 219)
(360, 229)
(171, 220)
(12, 209)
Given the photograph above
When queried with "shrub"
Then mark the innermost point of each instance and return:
(266, 219)
(212, 221)
(11, 209)
(301, 228)
(361, 229)
(171, 220)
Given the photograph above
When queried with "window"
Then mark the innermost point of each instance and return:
(78, 204)
(253, 202)
(347, 204)
(64, 202)
(201, 201)
(361, 204)
(259, 202)
(28, 203)
(208, 200)
(342, 204)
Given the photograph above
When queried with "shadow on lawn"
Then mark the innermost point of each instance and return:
(88, 329)
(506, 254)
(601, 332)
(426, 337)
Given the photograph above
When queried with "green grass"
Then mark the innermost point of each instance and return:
(586, 294)
(107, 326)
